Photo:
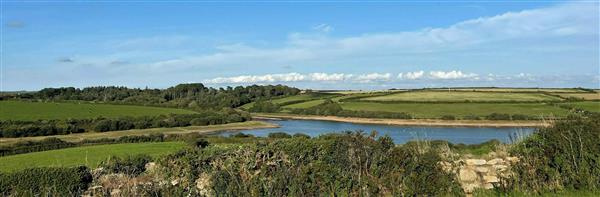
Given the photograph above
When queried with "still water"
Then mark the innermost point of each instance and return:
(400, 134)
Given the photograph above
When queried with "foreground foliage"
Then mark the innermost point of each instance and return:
(46, 182)
(563, 156)
(334, 164)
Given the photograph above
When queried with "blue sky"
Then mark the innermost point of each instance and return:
(341, 45)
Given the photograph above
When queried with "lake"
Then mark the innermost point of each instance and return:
(400, 134)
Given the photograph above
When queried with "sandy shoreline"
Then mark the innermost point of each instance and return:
(409, 122)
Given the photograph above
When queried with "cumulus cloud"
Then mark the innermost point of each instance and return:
(374, 77)
(451, 75)
(411, 75)
(336, 77)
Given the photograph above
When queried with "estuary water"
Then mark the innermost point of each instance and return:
(400, 134)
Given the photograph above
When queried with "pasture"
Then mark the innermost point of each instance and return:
(23, 110)
(437, 110)
(440, 96)
(593, 106)
(584, 96)
(549, 90)
(90, 156)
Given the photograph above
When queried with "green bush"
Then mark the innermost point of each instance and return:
(448, 117)
(350, 164)
(279, 135)
(130, 165)
(563, 156)
(46, 182)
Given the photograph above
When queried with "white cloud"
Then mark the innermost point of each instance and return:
(411, 75)
(374, 77)
(452, 75)
(336, 77)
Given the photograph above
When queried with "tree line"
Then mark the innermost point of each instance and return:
(21, 128)
(193, 95)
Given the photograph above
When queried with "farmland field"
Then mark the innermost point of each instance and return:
(587, 105)
(88, 155)
(585, 96)
(436, 110)
(19, 110)
(433, 96)
(554, 90)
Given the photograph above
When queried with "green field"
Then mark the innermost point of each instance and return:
(20, 110)
(584, 96)
(440, 96)
(587, 105)
(436, 110)
(566, 90)
(88, 155)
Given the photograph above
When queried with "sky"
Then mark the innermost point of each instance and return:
(316, 45)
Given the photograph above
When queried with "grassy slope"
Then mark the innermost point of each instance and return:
(87, 155)
(115, 134)
(435, 110)
(462, 96)
(19, 110)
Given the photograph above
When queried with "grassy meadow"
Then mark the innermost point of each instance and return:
(22, 110)
(593, 106)
(584, 96)
(439, 96)
(90, 156)
(436, 110)
(458, 102)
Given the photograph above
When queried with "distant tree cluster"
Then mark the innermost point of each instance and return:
(264, 106)
(193, 96)
(19, 128)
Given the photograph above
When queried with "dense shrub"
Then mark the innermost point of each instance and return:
(563, 156)
(50, 143)
(264, 106)
(279, 135)
(350, 164)
(45, 182)
(130, 165)
(198, 143)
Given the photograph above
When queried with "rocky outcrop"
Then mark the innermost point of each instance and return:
(481, 173)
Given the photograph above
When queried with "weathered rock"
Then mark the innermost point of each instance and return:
(495, 161)
(482, 169)
(467, 175)
(475, 162)
(490, 179)
(175, 182)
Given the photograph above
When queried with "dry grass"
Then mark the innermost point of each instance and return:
(440, 96)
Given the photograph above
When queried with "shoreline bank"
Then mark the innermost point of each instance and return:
(138, 132)
(407, 122)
